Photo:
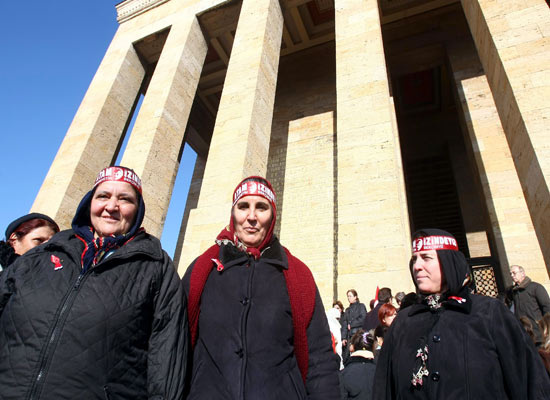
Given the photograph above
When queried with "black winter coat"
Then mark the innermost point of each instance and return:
(357, 378)
(478, 353)
(530, 300)
(244, 347)
(117, 332)
(354, 316)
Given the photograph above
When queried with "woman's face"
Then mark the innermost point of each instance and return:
(388, 319)
(114, 208)
(337, 307)
(351, 298)
(427, 272)
(32, 239)
(252, 218)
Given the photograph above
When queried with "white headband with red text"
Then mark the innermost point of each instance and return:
(120, 174)
(252, 188)
(434, 243)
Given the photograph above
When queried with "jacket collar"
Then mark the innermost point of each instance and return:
(523, 285)
(461, 302)
(273, 254)
(143, 245)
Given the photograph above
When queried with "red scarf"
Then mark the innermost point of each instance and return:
(299, 281)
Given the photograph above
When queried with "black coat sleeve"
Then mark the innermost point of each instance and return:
(383, 388)
(543, 299)
(358, 318)
(322, 377)
(522, 369)
(168, 344)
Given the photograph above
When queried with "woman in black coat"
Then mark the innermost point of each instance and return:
(357, 377)
(451, 344)
(258, 326)
(97, 312)
(351, 320)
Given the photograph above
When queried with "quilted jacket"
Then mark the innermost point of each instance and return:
(119, 331)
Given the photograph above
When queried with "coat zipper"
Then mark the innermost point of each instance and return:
(51, 343)
(252, 266)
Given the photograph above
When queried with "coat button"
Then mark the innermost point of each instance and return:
(240, 353)
(436, 338)
(435, 376)
(245, 301)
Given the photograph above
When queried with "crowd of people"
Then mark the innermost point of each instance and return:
(98, 312)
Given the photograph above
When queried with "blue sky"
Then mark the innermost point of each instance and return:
(50, 52)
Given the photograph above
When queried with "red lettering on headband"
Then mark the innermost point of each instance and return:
(434, 243)
(252, 188)
(120, 174)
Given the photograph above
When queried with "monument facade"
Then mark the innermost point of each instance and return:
(371, 119)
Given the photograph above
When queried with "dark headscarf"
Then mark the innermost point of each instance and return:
(97, 248)
(455, 270)
(454, 266)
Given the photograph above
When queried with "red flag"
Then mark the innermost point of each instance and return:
(376, 296)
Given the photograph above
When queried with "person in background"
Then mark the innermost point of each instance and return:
(357, 377)
(544, 349)
(371, 319)
(529, 298)
(378, 333)
(23, 234)
(339, 306)
(333, 318)
(257, 322)
(387, 314)
(98, 311)
(399, 298)
(351, 320)
(452, 344)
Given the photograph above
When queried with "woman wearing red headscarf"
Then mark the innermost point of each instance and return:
(257, 323)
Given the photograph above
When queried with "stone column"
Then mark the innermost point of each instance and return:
(157, 137)
(309, 196)
(515, 237)
(513, 42)
(94, 135)
(240, 142)
(373, 227)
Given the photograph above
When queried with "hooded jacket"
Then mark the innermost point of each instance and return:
(116, 331)
(476, 348)
(244, 347)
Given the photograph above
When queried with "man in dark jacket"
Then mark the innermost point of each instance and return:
(371, 320)
(529, 298)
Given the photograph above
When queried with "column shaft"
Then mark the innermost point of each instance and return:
(513, 42)
(373, 227)
(515, 237)
(309, 196)
(240, 142)
(157, 137)
(95, 132)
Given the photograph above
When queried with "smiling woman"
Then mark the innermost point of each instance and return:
(106, 303)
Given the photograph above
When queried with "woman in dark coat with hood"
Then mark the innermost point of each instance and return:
(258, 326)
(98, 312)
(451, 344)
